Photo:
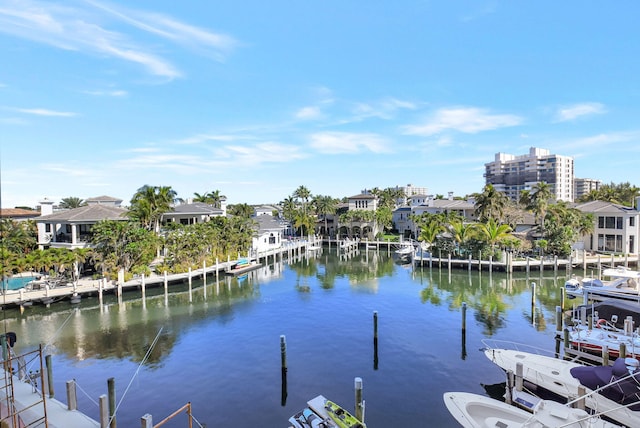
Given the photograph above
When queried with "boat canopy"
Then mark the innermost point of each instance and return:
(607, 308)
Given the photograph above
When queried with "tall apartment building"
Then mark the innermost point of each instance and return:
(511, 174)
(582, 186)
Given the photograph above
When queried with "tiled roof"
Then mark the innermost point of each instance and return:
(602, 206)
(194, 208)
(103, 198)
(87, 214)
(18, 213)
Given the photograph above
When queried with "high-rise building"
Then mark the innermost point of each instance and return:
(511, 174)
(582, 186)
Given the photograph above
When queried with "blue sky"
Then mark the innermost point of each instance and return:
(256, 98)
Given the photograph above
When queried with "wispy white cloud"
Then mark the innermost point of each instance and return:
(309, 113)
(575, 111)
(45, 112)
(84, 30)
(204, 138)
(112, 93)
(346, 142)
(469, 120)
(599, 141)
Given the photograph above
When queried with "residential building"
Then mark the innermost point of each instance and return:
(583, 186)
(72, 228)
(420, 204)
(197, 212)
(616, 227)
(269, 231)
(511, 174)
(18, 214)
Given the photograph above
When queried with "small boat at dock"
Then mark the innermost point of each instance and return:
(478, 411)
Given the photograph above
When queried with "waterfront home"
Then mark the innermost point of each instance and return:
(420, 204)
(18, 214)
(72, 228)
(269, 231)
(616, 227)
(192, 213)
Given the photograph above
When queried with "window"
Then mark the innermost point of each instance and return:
(619, 223)
(610, 223)
(632, 244)
(601, 222)
(632, 221)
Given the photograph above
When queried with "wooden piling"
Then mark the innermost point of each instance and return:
(144, 289)
(562, 297)
(566, 338)
(146, 421)
(49, 364)
(464, 317)
(623, 350)
(283, 353)
(359, 408)
(582, 392)
(519, 377)
(104, 411)
(605, 355)
(111, 391)
(72, 396)
(558, 319)
(510, 382)
(190, 290)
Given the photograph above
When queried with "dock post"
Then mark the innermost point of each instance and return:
(605, 355)
(47, 360)
(584, 261)
(509, 392)
(469, 262)
(111, 390)
(464, 317)
(104, 411)
(590, 322)
(562, 297)
(566, 338)
(190, 292)
(533, 295)
(146, 421)
(491, 263)
(217, 270)
(558, 319)
(613, 260)
(375, 340)
(555, 263)
(528, 265)
(166, 289)
(599, 267)
(144, 289)
(449, 262)
(623, 350)
(100, 286)
(72, 397)
(519, 376)
(204, 278)
(582, 392)
(359, 403)
(283, 353)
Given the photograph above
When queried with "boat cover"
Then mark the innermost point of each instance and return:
(624, 392)
(610, 307)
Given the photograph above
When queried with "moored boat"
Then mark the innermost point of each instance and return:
(478, 411)
(623, 284)
(610, 390)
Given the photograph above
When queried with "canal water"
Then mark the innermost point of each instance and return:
(219, 346)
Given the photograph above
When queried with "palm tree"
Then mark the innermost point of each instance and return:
(303, 194)
(149, 204)
(71, 202)
(490, 204)
(241, 210)
(288, 208)
(430, 227)
(324, 206)
(539, 201)
(493, 232)
(461, 232)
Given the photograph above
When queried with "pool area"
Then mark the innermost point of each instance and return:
(17, 282)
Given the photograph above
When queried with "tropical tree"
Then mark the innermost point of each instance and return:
(493, 232)
(490, 204)
(289, 208)
(324, 206)
(72, 202)
(19, 237)
(122, 245)
(241, 210)
(149, 204)
(429, 226)
(302, 194)
(461, 232)
(539, 201)
(621, 194)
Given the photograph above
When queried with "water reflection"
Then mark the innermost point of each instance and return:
(125, 328)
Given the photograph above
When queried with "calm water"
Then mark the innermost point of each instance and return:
(221, 351)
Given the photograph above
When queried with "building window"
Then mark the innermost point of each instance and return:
(632, 221)
(619, 223)
(632, 244)
(600, 222)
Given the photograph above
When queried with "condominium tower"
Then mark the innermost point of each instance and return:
(511, 174)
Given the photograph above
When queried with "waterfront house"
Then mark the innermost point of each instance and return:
(362, 228)
(419, 204)
(616, 228)
(192, 213)
(72, 228)
(268, 233)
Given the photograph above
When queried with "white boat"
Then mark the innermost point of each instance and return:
(604, 333)
(478, 411)
(623, 284)
(612, 391)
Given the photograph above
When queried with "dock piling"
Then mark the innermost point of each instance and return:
(49, 364)
(72, 397)
(359, 410)
(375, 340)
(104, 411)
(111, 390)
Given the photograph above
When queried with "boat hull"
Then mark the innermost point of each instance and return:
(554, 375)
